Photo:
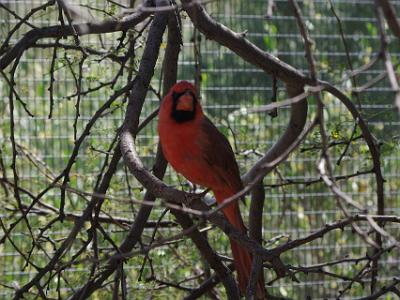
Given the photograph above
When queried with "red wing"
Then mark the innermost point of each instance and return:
(219, 155)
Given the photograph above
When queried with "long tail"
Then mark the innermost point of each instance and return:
(241, 256)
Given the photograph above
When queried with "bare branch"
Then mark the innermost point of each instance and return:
(31, 37)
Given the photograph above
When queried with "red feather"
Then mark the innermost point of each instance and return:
(196, 149)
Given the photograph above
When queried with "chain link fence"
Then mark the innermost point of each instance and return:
(296, 201)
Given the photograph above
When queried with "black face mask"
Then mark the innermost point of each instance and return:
(182, 116)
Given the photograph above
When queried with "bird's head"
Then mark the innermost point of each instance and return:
(182, 102)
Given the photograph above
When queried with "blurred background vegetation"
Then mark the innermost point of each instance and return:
(228, 84)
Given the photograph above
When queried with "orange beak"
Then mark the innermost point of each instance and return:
(185, 102)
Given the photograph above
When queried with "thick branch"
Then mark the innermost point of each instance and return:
(136, 100)
(257, 204)
(391, 17)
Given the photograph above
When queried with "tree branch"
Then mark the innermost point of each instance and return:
(391, 17)
(138, 94)
(106, 26)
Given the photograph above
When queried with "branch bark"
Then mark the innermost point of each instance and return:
(391, 17)
(131, 122)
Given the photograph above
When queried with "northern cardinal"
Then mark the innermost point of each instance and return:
(195, 148)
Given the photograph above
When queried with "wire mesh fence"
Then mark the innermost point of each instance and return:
(297, 202)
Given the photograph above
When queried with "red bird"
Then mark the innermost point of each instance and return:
(195, 148)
